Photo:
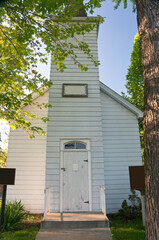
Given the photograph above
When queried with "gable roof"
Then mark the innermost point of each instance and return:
(121, 100)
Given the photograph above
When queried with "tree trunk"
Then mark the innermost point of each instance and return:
(148, 26)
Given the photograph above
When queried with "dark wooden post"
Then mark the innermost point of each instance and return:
(7, 177)
(3, 204)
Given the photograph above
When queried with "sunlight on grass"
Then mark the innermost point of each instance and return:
(27, 234)
(127, 234)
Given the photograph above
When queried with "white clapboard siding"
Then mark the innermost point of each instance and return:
(75, 118)
(121, 149)
(28, 156)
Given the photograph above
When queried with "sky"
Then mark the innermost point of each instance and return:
(115, 42)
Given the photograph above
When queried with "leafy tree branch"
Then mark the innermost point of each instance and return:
(24, 28)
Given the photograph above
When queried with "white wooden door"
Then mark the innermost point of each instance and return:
(75, 181)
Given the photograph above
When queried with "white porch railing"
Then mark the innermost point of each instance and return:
(102, 199)
(47, 200)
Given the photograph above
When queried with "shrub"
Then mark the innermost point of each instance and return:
(132, 210)
(14, 213)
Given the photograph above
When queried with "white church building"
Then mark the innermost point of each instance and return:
(92, 138)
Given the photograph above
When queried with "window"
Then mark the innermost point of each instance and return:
(70, 146)
(75, 145)
(75, 90)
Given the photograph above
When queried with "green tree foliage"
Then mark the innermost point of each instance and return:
(135, 83)
(3, 158)
(24, 27)
(134, 77)
(125, 3)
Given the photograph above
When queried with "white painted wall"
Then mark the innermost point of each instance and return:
(121, 149)
(78, 118)
(28, 156)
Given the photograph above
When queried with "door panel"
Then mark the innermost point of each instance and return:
(75, 181)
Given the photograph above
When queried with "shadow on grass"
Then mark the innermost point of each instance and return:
(126, 230)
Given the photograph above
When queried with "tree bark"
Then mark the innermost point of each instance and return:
(148, 27)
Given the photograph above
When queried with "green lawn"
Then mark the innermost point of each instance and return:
(27, 229)
(25, 234)
(126, 230)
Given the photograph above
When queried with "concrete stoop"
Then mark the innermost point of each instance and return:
(74, 226)
(74, 220)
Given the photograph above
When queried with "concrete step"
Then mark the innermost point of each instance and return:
(74, 221)
(73, 224)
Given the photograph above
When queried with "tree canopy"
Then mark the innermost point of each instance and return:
(125, 3)
(24, 27)
(135, 83)
(134, 78)
(3, 157)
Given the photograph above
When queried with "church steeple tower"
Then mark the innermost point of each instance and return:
(75, 118)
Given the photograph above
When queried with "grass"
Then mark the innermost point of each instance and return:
(126, 230)
(27, 230)
(25, 234)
